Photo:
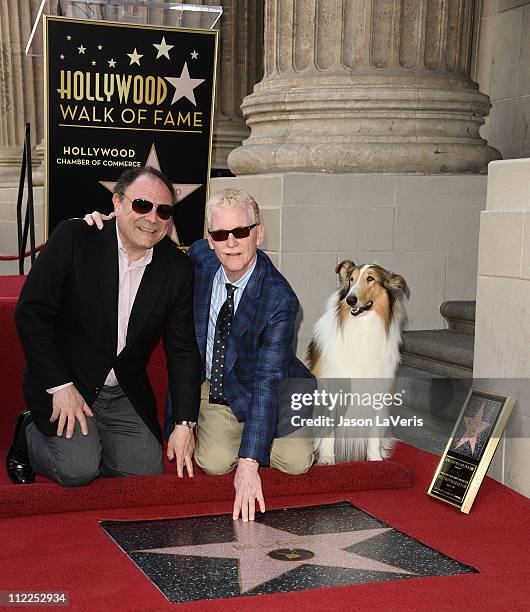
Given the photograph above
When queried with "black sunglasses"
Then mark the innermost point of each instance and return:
(143, 207)
(237, 232)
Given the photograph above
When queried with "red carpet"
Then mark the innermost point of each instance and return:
(70, 552)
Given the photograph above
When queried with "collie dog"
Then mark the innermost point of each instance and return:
(358, 337)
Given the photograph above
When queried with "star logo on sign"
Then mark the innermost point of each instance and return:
(194, 55)
(135, 57)
(182, 191)
(93, 62)
(254, 542)
(112, 63)
(184, 86)
(100, 47)
(163, 48)
(81, 49)
(61, 56)
(68, 37)
(474, 427)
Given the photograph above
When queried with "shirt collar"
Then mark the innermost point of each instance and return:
(139, 263)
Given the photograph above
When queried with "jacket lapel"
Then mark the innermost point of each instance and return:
(107, 272)
(245, 313)
(202, 297)
(153, 279)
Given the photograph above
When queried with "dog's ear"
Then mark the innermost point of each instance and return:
(344, 269)
(398, 283)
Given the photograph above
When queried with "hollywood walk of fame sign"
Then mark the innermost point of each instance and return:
(282, 551)
(470, 448)
(120, 96)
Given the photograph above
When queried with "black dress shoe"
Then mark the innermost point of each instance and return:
(18, 466)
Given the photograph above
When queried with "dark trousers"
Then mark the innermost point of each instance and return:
(118, 443)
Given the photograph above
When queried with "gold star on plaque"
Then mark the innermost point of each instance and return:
(135, 57)
(163, 48)
(112, 63)
(194, 54)
(81, 49)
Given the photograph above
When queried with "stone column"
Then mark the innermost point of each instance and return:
(21, 86)
(240, 66)
(366, 86)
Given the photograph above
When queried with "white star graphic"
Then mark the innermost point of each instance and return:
(112, 63)
(254, 542)
(194, 54)
(100, 47)
(182, 190)
(163, 48)
(61, 56)
(135, 57)
(93, 62)
(68, 37)
(81, 49)
(184, 86)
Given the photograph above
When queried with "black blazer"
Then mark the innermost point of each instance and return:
(66, 319)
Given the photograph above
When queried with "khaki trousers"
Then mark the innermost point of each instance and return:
(219, 437)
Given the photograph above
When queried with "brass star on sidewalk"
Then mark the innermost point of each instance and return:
(163, 48)
(254, 542)
(135, 57)
(474, 427)
(184, 86)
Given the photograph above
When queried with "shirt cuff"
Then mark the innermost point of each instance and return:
(52, 390)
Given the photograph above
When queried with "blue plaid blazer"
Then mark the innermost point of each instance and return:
(259, 352)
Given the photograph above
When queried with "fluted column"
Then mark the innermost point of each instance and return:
(366, 86)
(21, 86)
(240, 66)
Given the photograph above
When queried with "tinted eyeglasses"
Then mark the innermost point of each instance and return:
(143, 207)
(237, 232)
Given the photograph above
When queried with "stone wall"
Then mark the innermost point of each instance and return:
(502, 325)
(503, 72)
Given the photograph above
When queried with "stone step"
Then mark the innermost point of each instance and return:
(434, 399)
(460, 315)
(441, 351)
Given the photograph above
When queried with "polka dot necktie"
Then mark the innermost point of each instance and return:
(222, 331)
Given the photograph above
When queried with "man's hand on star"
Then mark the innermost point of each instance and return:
(247, 484)
(180, 445)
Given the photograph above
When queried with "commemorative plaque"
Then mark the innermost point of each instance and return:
(471, 447)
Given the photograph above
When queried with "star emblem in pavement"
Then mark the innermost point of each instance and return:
(255, 540)
(135, 57)
(182, 190)
(163, 48)
(474, 427)
(184, 85)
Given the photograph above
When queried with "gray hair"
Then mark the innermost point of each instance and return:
(228, 198)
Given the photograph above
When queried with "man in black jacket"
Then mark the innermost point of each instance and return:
(90, 312)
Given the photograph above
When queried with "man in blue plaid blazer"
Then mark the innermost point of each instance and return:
(240, 432)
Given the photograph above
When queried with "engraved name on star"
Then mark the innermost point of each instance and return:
(474, 427)
(163, 48)
(254, 542)
(135, 57)
(184, 86)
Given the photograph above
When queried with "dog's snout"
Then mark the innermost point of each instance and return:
(351, 300)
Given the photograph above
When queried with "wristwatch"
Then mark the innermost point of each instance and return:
(188, 424)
